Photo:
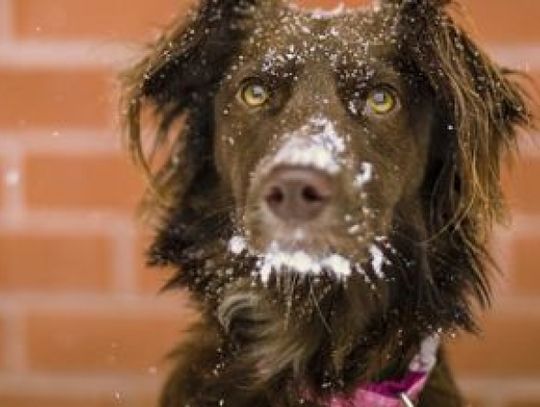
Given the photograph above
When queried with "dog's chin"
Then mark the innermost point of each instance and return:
(296, 255)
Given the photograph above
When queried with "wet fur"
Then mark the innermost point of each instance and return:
(259, 346)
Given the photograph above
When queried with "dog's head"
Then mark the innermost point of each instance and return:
(359, 147)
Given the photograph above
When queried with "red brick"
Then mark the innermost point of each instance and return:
(525, 265)
(508, 347)
(521, 185)
(49, 98)
(106, 19)
(82, 181)
(501, 21)
(54, 263)
(83, 342)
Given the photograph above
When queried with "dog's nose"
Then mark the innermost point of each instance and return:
(297, 194)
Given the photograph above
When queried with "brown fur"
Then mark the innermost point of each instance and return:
(435, 200)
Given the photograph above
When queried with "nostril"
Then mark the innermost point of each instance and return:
(275, 196)
(297, 194)
(311, 194)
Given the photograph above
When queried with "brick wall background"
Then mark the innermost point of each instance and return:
(80, 321)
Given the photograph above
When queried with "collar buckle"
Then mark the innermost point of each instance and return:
(405, 400)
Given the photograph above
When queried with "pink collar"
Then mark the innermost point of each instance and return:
(395, 393)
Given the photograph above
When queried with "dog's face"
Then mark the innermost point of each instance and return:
(362, 147)
(322, 129)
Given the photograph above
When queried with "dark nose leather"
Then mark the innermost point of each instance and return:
(297, 194)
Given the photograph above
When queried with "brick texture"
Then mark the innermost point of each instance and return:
(65, 19)
(101, 343)
(525, 265)
(507, 347)
(79, 311)
(55, 263)
(498, 22)
(55, 98)
(519, 184)
(82, 181)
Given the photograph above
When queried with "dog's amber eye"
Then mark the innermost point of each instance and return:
(254, 94)
(381, 101)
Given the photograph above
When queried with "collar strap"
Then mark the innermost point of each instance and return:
(395, 393)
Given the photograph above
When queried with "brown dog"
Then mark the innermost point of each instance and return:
(328, 198)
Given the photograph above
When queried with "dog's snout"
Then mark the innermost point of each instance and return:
(297, 194)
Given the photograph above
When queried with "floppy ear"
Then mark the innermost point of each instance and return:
(479, 109)
(178, 78)
(482, 102)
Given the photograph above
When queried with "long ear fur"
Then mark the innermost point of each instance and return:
(178, 78)
(481, 107)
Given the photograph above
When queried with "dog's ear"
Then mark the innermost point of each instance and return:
(482, 104)
(177, 79)
(480, 107)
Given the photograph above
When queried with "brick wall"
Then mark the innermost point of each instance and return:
(80, 323)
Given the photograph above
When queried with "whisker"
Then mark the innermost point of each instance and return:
(318, 308)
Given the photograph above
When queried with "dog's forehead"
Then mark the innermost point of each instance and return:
(297, 35)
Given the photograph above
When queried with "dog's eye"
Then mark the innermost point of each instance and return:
(381, 100)
(254, 94)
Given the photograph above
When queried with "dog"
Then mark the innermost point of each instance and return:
(328, 198)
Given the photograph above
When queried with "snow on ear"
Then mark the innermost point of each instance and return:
(188, 48)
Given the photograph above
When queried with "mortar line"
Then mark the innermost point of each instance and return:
(75, 385)
(47, 54)
(500, 387)
(63, 140)
(523, 56)
(66, 222)
(98, 304)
